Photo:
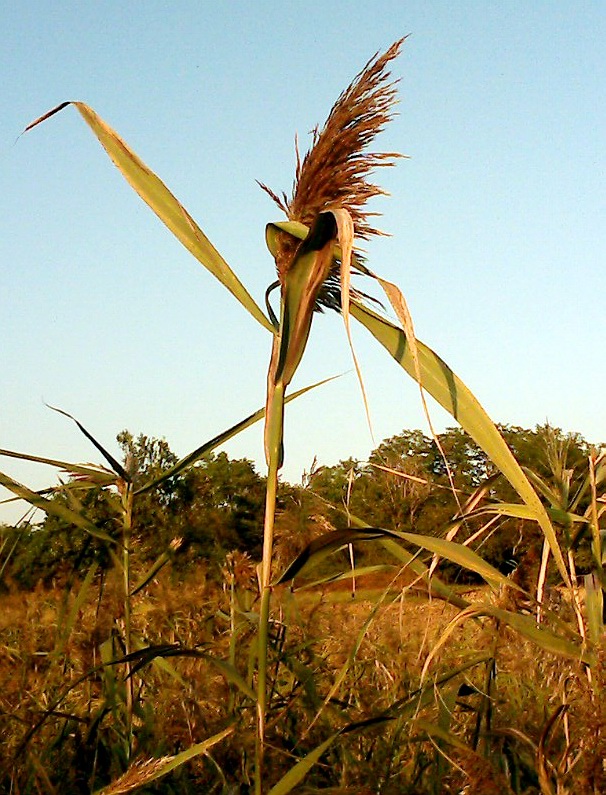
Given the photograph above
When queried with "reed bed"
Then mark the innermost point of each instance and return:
(261, 679)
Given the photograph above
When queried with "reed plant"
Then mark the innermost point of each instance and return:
(380, 720)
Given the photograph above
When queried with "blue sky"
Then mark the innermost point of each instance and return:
(497, 219)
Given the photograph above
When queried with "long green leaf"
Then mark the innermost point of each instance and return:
(114, 464)
(151, 572)
(142, 773)
(53, 508)
(168, 209)
(543, 637)
(99, 474)
(519, 511)
(594, 607)
(328, 543)
(302, 282)
(143, 656)
(297, 773)
(325, 545)
(66, 625)
(434, 585)
(459, 554)
(452, 394)
(221, 438)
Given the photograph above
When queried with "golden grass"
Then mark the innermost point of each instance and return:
(317, 637)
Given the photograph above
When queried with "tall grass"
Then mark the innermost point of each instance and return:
(294, 700)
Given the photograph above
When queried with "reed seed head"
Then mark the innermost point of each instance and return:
(335, 171)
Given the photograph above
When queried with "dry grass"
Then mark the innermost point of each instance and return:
(312, 645)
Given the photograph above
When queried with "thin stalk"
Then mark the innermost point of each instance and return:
(232, 637)
(596, 540)
(275, 428)
(127, 524)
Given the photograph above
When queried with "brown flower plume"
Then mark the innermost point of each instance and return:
(334, 173)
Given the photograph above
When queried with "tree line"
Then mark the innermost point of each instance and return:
(411, 482)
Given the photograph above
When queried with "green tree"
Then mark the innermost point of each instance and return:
(212, 508)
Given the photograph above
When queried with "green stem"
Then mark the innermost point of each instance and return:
(275, 424)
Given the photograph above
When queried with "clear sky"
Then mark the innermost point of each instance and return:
(497, 219)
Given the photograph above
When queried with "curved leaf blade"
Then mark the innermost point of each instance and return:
(141, 773)
(164, 204)
(452, 394)
(97, 474)
(204, 449)
(53, 508)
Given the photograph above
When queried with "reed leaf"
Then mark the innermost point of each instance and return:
(297, 773)
(328, 543)
(144, 656)
(594, 607)
(115, 465)
(67, 625)
(221, 438)
(452, 394)
(409, 560)
(53, 508)
(519, 511)
(142, 773)
(526, 626)
(168, 209)
(99, 475)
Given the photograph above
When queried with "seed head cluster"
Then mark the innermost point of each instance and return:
(335, 171)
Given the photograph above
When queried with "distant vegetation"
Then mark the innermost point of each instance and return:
(217, 506)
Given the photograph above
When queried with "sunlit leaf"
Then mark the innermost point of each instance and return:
(168, 209)
(98, 474)
(142, 773)
(204, 449)
(53, 508)
(297, 773)
(452, 394)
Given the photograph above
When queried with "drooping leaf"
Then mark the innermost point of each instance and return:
(452, 394)
(301, 282)
(435, 586)
(350, 574)
(459, 554)
(98, 474)
(520, 511)
(115, 465)
(328, 543)
(537, 633)
(325, 545)
(409, 560)
(53, 508)
(168, 209)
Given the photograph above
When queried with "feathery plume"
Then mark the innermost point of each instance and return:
(335, 171)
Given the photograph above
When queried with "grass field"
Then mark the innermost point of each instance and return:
(423, 704)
